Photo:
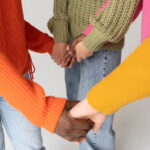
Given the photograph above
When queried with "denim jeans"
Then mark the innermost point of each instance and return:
(80, 79)
(22, 134)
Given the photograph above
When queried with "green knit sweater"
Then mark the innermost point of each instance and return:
(72, 17)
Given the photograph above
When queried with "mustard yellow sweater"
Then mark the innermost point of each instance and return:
(129, 82)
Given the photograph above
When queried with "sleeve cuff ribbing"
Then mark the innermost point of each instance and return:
(61, 33)
(94, 40)
(53, 112)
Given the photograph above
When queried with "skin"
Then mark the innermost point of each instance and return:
(70, 128)
(77, 54)
(66, 55)
(82, 52)
(84, 110)
(59, 50)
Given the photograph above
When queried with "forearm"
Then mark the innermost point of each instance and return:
(28, 97)
(38, 41)
(128, 83)
(110, 23)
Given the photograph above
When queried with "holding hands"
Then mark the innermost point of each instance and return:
(83, 110)
(72, 129)
(77, 119)
(66, 55)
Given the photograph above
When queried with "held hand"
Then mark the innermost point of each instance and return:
(76, 41)
(69, 59)
(58, 52)
(82, 52)
(70, 128)
(84, 110)
(70, 56)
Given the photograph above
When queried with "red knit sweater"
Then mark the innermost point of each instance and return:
(16, 36)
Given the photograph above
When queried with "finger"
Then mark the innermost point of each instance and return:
(78, 143)
(74, 43)
(73, 139)
(79, 59)
(64, 60)
(97, 127)
(58, 61)
(53, 56)
(68, 61)
(79, 133)
(72, 62)
(83, 139)
(82, 124)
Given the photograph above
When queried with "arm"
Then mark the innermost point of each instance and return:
(38, 41)
(58, 24)
(111, 23)
(128, 83)
(28, 97)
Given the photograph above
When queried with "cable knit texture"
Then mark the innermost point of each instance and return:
(110, 25)
(25, 95)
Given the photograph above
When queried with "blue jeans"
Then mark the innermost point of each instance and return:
(22, 134)
(80, 79)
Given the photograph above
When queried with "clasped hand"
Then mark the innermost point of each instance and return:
(66, 55)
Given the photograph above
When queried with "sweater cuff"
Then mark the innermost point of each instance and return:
(61, 33)
(55, 106)
(104, 107)
(94, 40)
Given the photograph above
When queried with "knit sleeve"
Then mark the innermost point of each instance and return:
(38, 41)
(111, 23)
(58, 24)
(128, 83)
(28, 97)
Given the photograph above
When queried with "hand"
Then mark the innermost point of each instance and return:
(70, 56)
(82, 52)
(58, 52)
(70, 128)
(84, 110)
(69, 59)
(76, 41)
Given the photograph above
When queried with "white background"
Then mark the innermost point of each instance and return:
(132, 123)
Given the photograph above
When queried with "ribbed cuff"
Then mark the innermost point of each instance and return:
(53, 112)
(61, 33)
(94, 39)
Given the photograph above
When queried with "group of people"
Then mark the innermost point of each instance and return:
(88, 39)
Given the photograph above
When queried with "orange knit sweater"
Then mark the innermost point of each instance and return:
(16, 36)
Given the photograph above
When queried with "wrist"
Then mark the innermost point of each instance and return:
(83, 109)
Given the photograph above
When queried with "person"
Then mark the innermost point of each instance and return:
(128, 83)
(103, 43)
(19, 93)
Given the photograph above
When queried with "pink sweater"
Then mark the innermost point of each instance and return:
(146, 20)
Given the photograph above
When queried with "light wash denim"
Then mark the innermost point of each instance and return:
(80, 79)
(22, 134)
